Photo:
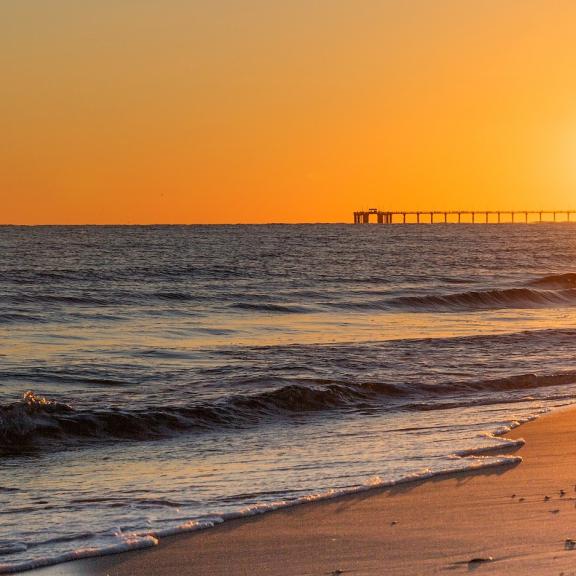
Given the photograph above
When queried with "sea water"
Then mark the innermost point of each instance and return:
(155, 380)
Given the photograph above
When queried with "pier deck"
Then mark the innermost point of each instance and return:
(462, 216)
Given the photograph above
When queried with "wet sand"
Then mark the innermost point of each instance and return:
(431, 527)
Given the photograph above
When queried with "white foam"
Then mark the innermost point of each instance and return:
(463, 460)
(139, 540)
(125, 543)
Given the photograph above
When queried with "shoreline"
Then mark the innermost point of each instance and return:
(422, 526)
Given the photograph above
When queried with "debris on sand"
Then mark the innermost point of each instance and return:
(481, 560)
(476, 561)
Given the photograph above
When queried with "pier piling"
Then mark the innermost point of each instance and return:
(476, 217)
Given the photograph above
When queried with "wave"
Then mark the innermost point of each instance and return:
(175, 296)
(118, 540)
(122, 542)
(556, 281)
(267, 307)
(35, 421)
(487, 300)
(555, 290)
(16, 317)
(48, 299)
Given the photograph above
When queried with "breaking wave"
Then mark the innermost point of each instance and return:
(555, 290)
(488, 299)
(30, 423)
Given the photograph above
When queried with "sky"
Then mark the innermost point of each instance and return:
(229, 111)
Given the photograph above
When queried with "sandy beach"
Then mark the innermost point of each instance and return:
(288, 288)
(515, 521)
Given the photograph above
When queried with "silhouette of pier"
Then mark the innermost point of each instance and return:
(462, 216)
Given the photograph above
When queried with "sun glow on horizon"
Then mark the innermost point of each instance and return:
(116, 112)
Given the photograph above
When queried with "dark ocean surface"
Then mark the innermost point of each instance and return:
(155, 380)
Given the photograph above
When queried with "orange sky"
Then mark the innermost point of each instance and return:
(189, 111)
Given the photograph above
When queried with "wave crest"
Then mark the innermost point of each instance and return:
(488, 300)
(556, 281)
(32, 422)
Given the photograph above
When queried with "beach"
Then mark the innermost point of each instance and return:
(429, 527)
(186, 394)
(288, 288)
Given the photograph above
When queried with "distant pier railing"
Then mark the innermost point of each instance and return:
(462, 216)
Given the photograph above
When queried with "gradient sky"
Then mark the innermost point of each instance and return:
(189, 111)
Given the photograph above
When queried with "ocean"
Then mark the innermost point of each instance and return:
(163, 379)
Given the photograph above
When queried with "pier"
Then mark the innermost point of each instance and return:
(462, 216)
